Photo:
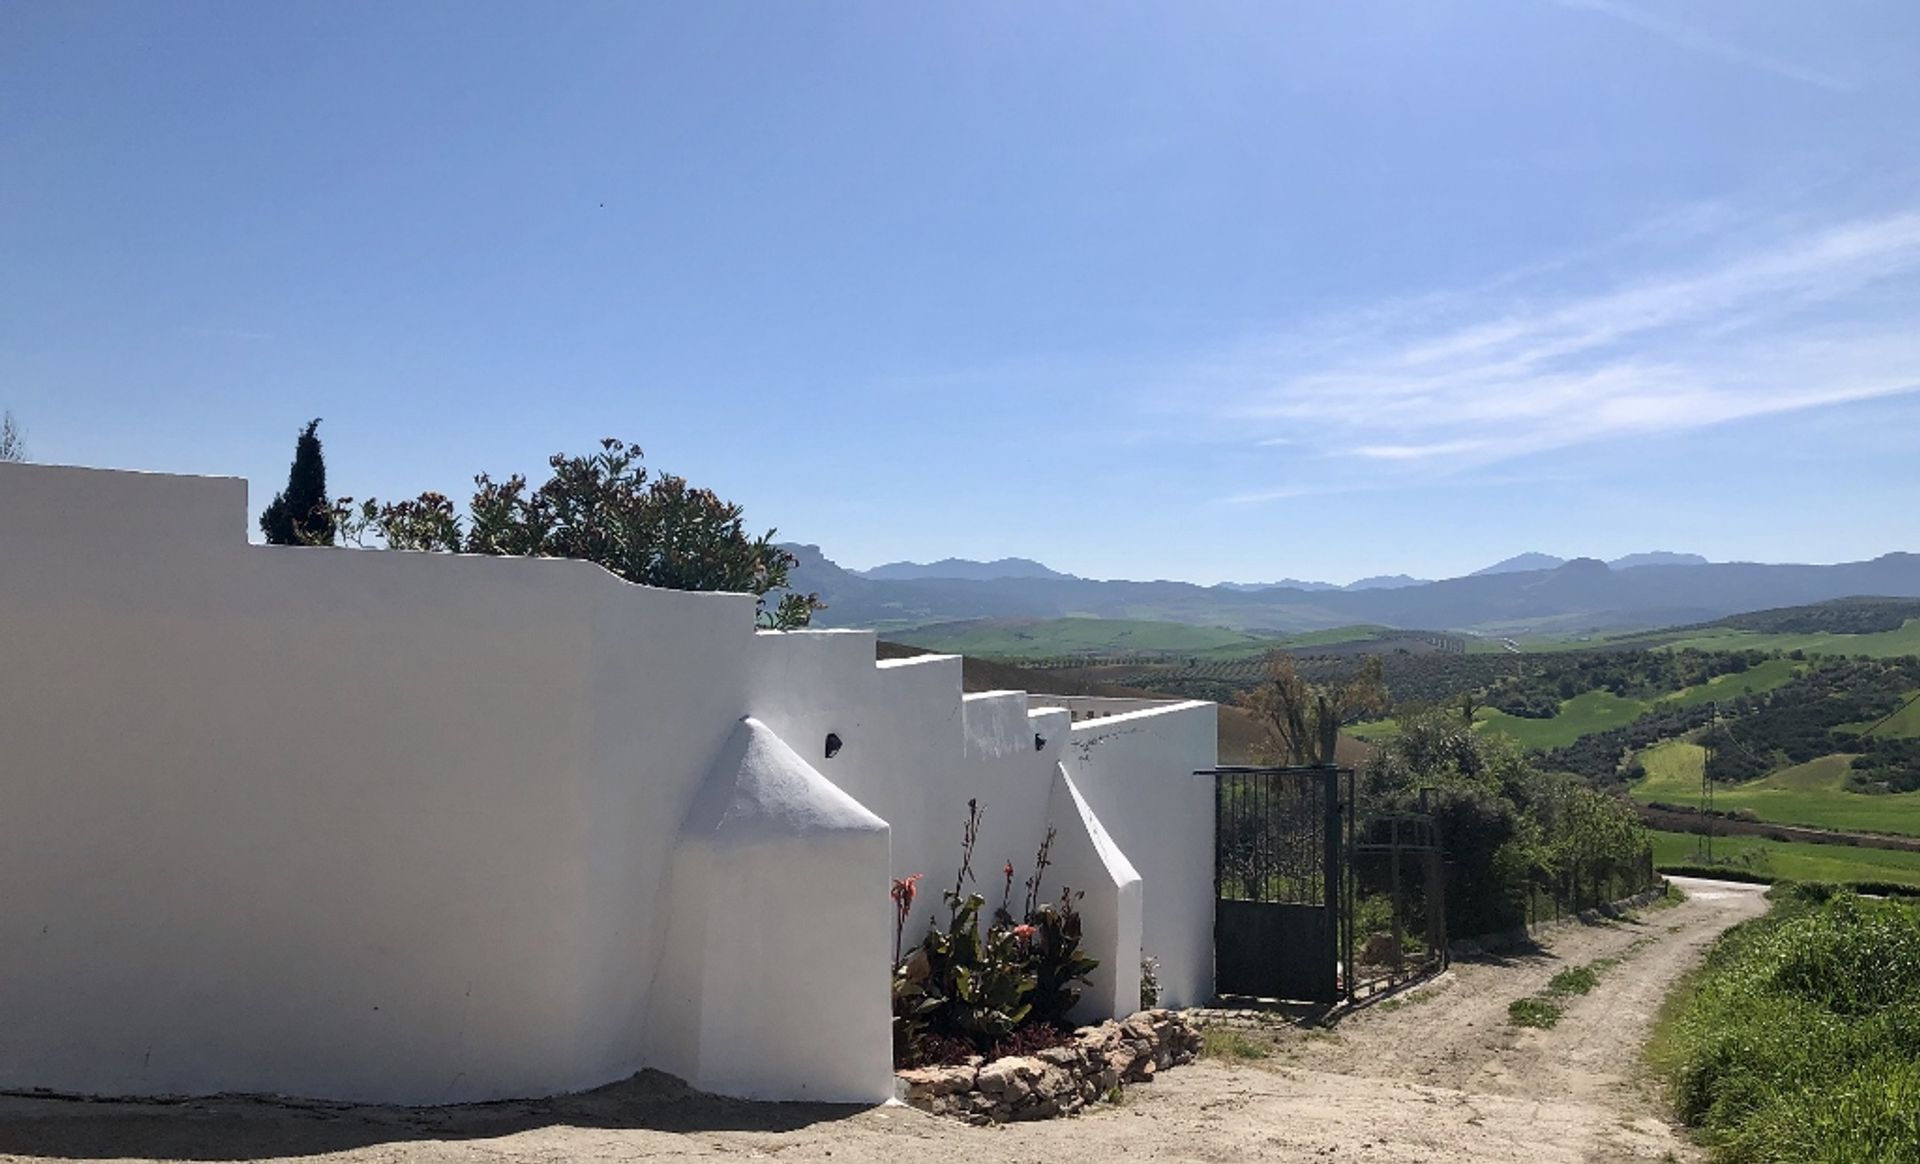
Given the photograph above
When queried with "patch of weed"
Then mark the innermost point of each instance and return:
(1233, 1046)
(1533, 1012)
(1572, 980)
(1400, 1002)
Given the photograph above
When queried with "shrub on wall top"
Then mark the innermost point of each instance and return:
(603, 507)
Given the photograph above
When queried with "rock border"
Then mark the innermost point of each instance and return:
(1059, 1080)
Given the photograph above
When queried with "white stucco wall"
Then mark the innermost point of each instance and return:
(1087, 860)
(417, 828)
(775, 951)
(352, 825)
(1135, 771)
(915, 752)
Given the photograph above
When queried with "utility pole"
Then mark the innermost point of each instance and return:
(1706, 779)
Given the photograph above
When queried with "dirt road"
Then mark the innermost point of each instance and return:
(1441, 1075)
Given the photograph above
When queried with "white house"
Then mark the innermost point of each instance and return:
(423, 828)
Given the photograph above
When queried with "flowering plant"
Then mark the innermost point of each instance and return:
(960, 988)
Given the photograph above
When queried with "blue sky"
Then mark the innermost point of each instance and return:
(1217, 291)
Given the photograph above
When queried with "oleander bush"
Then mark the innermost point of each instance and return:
(604, 507)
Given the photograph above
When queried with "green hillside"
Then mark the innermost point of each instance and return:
(1902, 724)
(1814, 793)
(1598, 711)
(1879, 644)
(1754, 680)
(1593, 711)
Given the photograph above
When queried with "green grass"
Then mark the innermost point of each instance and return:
(1533, 1012)
(1813, 793)
(1791, 861)
(1573, 980)
(1233, 1046)
(1762, 676)
(1594, 711)
(1051, 638)
(1795, 1040)
(1374, 731)
(1880, 645)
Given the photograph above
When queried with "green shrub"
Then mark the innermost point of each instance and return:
(961, 987)
(605, 507)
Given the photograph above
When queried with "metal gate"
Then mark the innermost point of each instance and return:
(1280, 928)
(1396, 878)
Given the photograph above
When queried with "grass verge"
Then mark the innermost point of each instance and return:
(1798, 1039)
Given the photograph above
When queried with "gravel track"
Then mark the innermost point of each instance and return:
(1439, 1075)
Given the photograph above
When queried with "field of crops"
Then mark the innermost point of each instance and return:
(1790, 861)
(1813, 793)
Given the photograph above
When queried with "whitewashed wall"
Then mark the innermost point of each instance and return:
(417, 828)
(1136, 772)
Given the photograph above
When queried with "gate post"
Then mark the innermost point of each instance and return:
(1331, 881)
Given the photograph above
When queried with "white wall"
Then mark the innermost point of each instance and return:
(413, 828)
(776, 951)
(1088, 861)
(1135, 772)
(915, 753)
(324, 822)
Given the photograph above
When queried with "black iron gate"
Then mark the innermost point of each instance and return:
(1281, 918)
(1396, 877)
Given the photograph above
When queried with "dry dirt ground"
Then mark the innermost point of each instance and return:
(1439, 1075)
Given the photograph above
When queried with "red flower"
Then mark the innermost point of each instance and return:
(904, 890)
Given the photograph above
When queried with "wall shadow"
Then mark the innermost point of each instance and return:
(235, 1127)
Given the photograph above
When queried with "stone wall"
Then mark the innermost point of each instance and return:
(1059, 1080)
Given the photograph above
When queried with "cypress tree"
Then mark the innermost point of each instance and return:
(299, 515)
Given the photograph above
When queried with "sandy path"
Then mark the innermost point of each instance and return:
(1441, 1078)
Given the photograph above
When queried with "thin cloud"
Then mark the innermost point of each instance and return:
(1813, 319)
(1704, 42)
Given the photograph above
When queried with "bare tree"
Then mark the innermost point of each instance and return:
(1302, 720)
(13, 446)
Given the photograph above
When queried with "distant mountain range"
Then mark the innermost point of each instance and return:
(968, 570)
(1516, 596)
(1523, 562)
(961, 568)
